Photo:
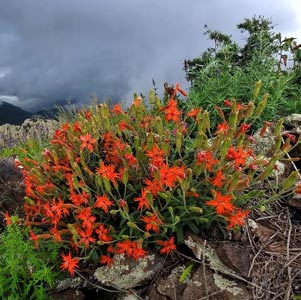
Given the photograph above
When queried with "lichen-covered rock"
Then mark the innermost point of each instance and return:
(293, 120)
(215, 279)
(168, 287)
(207, 284)
(126, 273)
(264, 143)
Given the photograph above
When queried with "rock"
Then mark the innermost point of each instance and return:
(202, 250)
(126, 273)
(262, 233)
(263, 144)
(71, 294)
(73, 283)
(293, 120)
(212, 279)
(168, 287)
(295, 202)
(207, 284)
(11, 186)
(129, 297)
(235, 257)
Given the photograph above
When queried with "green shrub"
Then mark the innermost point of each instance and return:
(25, 273)
(228, 71)
(115, 181)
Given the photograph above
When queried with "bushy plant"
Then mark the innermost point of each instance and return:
(118, 181)
(25, 273)
(228, 71)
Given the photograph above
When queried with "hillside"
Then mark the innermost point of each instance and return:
(12, 114)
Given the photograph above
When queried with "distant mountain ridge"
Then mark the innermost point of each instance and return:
(15, 115)
(12, 114)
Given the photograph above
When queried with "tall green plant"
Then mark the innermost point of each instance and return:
(25, 272)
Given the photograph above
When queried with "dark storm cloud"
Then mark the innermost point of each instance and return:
(53, 50)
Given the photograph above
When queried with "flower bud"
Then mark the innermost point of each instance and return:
(257, 88)
(178, 141)
(262, 104)
(250, 110)
(233, 119)
(177, 219)
(278, 127)
(290, 180)
(147, 235)
(152, 97)
(114, 212)
(206, 120)
(29, 200)
(131, 225)
(125, 176)
(195, 209)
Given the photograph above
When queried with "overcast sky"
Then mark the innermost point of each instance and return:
(53, 50)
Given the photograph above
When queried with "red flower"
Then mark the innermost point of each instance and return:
(123, 125)
(117, 109)
(7, 218)
(152, 223)
(244, 128)
(237, 219)
(79, 199)
(34, 238)
(77, 127)
(194, 113)
(103, 202)
(130, 249)
(221, 203)
(103, 233)
(218, 179)
(59, 208)
(167, 246)
(86, 217)
(131, 160)
(169, 175)
(88, 114)
(222, 128)
(143, 201)
(107, 172)
(69, 263)
(238, 155)
(171, 111)
(124, 247)
(291, 137)
(56, 234)
(86, 237)
(87, 142)
(178, 89)
(227, 102)
(206, 157)
(153, 186)
(106, 260)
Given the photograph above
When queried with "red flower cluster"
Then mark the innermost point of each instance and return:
(116, 181)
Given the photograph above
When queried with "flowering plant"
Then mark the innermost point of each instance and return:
(114, 181)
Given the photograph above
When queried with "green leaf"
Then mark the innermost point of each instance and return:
(186, 272)
(179, 233)
(193, 227)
